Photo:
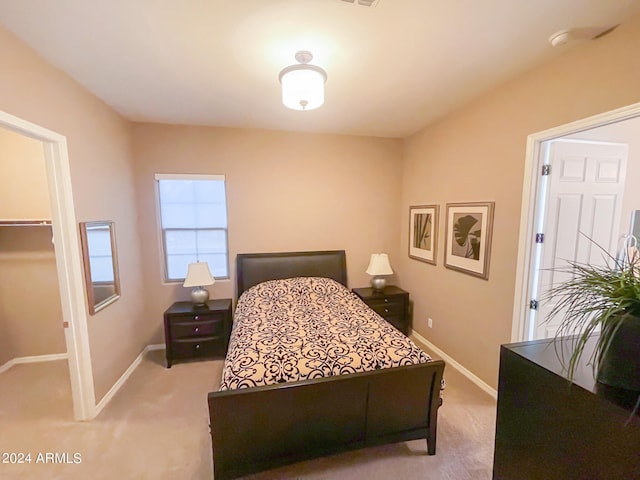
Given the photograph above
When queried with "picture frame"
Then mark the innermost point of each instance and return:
(469, 228)
(423, 232)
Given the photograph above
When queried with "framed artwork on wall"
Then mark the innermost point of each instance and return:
(423, 232)
(468, 237)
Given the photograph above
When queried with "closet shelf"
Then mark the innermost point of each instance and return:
(25, 223)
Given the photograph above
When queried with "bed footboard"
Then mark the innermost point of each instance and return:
(255, 429)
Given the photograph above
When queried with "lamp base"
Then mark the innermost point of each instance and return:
(378, 283)
(199, 295)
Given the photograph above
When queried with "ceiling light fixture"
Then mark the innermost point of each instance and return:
(303, 84)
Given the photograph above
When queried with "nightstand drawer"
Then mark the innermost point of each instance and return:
(198, 317)
(192, 348)
(386, 299)
(399, 322)
(197, 332)
(392, 304)
(199, 328)
(384, 309)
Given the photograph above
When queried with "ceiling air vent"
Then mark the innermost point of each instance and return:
(362, 3)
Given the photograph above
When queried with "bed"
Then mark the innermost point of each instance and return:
(259, 424)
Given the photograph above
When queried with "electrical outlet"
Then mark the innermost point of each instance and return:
(430, 322)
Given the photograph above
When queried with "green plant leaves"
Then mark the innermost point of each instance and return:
(594, 298)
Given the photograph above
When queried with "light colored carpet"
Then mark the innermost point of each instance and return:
(156, 427)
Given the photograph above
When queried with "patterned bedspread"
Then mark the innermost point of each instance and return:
(305, 328)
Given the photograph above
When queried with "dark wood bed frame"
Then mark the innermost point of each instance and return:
(255, 429)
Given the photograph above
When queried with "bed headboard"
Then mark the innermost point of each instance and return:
(254, 268)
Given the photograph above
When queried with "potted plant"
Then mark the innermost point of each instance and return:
(604, 299)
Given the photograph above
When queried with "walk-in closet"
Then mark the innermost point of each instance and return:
(34, 373)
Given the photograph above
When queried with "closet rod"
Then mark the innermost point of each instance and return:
(25, 223)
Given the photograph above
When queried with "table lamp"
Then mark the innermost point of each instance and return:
(199, 275)
(378, 266)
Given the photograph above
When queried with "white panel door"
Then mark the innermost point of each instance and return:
(584, 201)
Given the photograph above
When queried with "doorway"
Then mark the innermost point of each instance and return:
(579, 208)
(68, 266)
(526, 316)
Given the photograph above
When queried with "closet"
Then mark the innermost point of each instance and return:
(31, 323)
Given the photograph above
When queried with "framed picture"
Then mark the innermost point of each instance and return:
(468, 237)
(423, 232)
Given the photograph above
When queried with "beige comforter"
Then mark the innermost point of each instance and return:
(305, 328)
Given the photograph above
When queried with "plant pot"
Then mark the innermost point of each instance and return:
(620, 366)
(627, 399)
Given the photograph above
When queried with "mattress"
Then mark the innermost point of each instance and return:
(307, 328)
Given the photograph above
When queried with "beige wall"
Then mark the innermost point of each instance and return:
(24, 194)
(30, 310)
(103, 189)
(477, 154)
(285, 192)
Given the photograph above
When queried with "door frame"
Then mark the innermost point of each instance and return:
(530, 197)
(68, 264)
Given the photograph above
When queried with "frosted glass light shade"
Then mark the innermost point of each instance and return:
(198, 275)
(303, 84)
(303, 87)
(379, 264)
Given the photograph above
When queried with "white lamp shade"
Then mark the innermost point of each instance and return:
(379, 264)
(198, 275)
(303, 87)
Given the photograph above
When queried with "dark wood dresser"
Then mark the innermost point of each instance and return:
(392, 304)
(548, 428)
(197, 332)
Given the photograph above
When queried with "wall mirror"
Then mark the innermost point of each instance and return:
(100, 264)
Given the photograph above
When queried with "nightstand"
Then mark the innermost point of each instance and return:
(392, 304)
(192, 332)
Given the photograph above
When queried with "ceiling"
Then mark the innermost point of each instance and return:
(392, 68)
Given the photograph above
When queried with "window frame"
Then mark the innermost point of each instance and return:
(162, 231)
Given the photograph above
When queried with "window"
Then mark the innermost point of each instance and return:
(193, 218)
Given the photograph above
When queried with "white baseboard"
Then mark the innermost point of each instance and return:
(33, 359)
(124, 377)
(450, 361)
(157, 346)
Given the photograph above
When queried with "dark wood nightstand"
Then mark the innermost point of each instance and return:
(197, 332)
(392, 304)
